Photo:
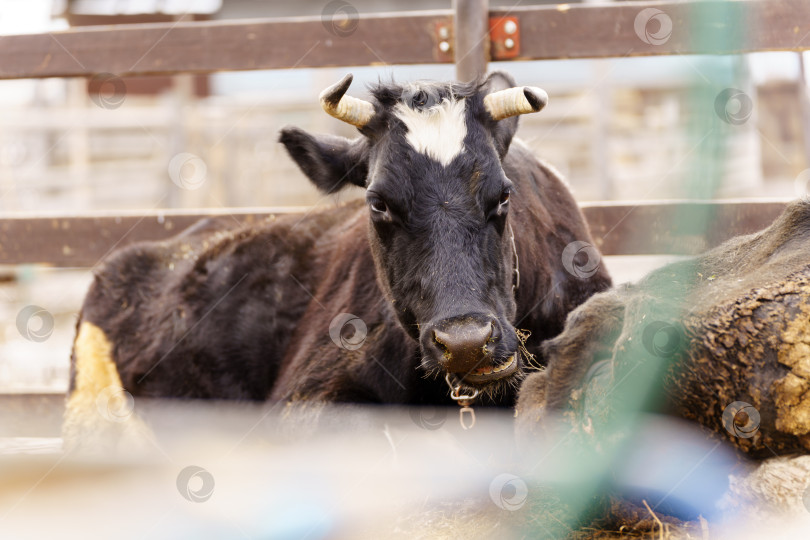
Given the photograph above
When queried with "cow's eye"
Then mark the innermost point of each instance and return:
(377, 205)
(499, 210)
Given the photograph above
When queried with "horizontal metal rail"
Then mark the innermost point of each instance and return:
(546, 32)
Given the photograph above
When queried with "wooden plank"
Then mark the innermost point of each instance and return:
(547, 32)
(83, 240)
(674, 227)
(715, 27)
(646, 228)
(208, 46)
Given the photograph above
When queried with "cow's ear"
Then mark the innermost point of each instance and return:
(329, 161)
(502, 130)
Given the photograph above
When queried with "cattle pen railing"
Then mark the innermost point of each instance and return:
(540, 32)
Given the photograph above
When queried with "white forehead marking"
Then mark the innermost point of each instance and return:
(438, 131)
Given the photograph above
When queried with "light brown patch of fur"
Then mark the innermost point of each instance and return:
(95, 369)
(96, 377)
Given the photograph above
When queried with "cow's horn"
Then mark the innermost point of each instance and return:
(514, 101)
(349, 109)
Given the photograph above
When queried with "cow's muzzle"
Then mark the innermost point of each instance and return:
(471, 348)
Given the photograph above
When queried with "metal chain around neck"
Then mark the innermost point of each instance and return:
(466, 414)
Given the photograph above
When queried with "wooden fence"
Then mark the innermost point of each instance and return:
(539, 32)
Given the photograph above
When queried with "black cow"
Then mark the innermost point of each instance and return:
(460, 241)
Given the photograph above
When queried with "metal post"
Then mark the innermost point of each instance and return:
(471, 27)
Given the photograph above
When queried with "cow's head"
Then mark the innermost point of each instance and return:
(430, 160)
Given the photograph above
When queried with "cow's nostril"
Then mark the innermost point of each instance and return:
(437, 339)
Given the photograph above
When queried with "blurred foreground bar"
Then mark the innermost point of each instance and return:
(229, 470)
